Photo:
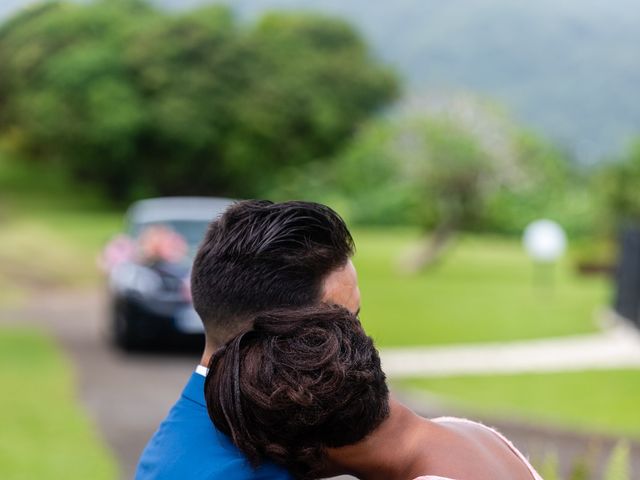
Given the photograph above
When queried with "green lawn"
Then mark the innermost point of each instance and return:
(483, 290)
(44, 432)
(605, 401)
(51, 229)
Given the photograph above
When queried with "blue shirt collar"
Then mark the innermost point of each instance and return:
(194, 390)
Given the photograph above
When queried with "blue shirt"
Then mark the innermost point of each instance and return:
(188, 446)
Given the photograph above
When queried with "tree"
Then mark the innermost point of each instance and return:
(66, 88)
(143, 102)
(447, 174)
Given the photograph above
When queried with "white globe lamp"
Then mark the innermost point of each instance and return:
(545, 241)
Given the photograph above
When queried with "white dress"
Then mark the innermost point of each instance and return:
(534, 474)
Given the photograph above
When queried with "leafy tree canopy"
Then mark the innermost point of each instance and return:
(446, 173)
(143, 102)
(464, 165)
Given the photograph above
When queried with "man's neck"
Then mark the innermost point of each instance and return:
(390, 452)
(209, 350)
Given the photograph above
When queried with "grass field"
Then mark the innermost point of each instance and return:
(51, 229)
(589, 401)
(483, 290)
(44, 433)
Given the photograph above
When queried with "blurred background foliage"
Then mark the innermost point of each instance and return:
(618, 184)
(139, 101)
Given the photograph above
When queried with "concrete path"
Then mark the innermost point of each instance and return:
(616, 347)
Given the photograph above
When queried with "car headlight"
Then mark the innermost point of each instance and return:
(130, 276)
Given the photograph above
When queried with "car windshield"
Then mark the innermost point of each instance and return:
(191, 230)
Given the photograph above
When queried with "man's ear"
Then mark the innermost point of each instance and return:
(340, 287)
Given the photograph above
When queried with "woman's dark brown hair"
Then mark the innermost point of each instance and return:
(300, 381)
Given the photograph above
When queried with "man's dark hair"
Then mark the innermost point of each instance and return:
(299, 382)
(261, 255)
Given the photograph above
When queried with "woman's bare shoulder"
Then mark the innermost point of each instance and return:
(491, 438)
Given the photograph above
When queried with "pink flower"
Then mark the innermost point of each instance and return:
(161, 243)
(119, 250)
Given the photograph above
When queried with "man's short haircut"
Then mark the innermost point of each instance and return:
(300, 382)
(261, 255)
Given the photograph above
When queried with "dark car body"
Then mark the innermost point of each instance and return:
(151, 301)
